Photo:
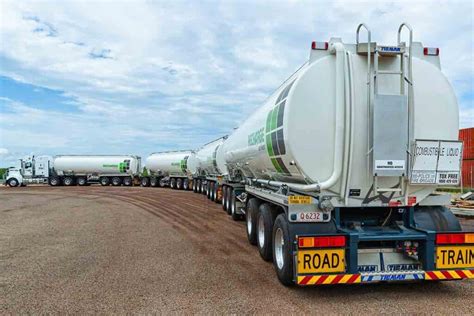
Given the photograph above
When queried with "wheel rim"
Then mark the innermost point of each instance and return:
(279, 243)
(232, 207)
(261, 232)
(249, 223)
(67, 181)
(223, 196)
(13, 183)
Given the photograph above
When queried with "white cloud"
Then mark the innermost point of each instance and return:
(146, 76)
(3, 151)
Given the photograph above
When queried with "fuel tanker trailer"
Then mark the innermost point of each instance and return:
(210, 170)
(86, 169)
(336, 172)
(173, 168)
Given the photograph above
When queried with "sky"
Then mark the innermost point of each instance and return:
(136, 77)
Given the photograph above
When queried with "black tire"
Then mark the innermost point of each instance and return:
(68, 181)
(153, 182)
(104, 181)
(186, 184)
(198, 186)
(210, 194)
(173, 183)
(82, 181)
(228, 199)
(54, 181)
(13, 182)
(162, 183)
(281, 249)
(251, 214)
(145, 182)
(194, 185)
(204, 187)
(265, 220)
(116, 181)
(127, 181)
(179, 184)
(224, 196)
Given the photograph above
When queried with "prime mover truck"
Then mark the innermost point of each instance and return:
(336, 172)
(70, 170)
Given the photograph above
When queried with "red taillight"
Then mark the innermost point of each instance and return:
(443, 239)
(320, 45)
(430, 51)
(321, 242)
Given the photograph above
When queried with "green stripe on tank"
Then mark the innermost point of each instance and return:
(276, 165)
(269, 145)
(274, 118)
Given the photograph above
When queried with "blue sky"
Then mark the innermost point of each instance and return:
(86, 77)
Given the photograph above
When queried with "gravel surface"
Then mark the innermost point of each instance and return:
(145, 250)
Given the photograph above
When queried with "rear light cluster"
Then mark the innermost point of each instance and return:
(321, 242)
(456, 238)
(430, 51)
(320, 45)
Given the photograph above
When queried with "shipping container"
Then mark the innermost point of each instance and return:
(467, 173)
(466, 135)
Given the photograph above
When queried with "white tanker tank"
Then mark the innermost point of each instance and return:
(175, 166)
(84, 169)
(211, 167)
(319, 133)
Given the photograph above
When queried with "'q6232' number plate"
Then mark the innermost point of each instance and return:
(303, 208)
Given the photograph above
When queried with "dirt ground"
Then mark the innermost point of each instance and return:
(147, 250)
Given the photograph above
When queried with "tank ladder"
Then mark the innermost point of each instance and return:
(388, 127)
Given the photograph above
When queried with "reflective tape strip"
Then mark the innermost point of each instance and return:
(329, 279)
(449, 275)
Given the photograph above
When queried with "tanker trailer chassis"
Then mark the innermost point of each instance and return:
(312, 243)
(70, 179)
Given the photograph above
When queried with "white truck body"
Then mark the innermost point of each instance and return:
(97, 164)
(211, 160)
(171, 163)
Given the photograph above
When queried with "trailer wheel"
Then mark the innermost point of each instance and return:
(127, 181)
(116, 181)
(145, 182)
(54, 181)
(282, 251)
(104, 181)
(179, 184)
(194, 185)
(173, 183)
(13, 182)
(210, 192)
(186, 184)
(68, 181)
(233, 208)
(81, 181)
(227, 199)
(224, 195)
(162, 183)
(265, 221)
(251, 214)
(153, 182)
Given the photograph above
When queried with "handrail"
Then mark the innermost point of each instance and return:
(400, 28)
(369, 36)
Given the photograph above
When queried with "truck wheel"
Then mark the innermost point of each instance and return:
(81, 181)
(198, 186)
(116, 181)
(13, 182)
(186, 184)
(224, 196)
(173, 183)
(68, 181)
(153, 182)
(227, 199)
(251, 220)
(162, 183)
(282, 251)
(179, 184)
(54, 181)
(203, 187)
(265, 222)
(210, 193)
(194, 186)
(145, 182)
(233, 208)
(127, 181)
(104, 181)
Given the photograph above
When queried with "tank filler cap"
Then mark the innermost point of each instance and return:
(325, 204)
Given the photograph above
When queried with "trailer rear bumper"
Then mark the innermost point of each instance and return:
(331, 279)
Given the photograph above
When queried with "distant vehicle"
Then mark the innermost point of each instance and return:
(170, 168)
(70, 170)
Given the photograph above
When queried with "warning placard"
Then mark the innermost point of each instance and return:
(436, 162)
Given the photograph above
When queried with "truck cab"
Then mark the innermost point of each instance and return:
(29, 169)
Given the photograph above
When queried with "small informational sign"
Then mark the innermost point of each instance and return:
(300, 199)
(389, 164)
(436, 162)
